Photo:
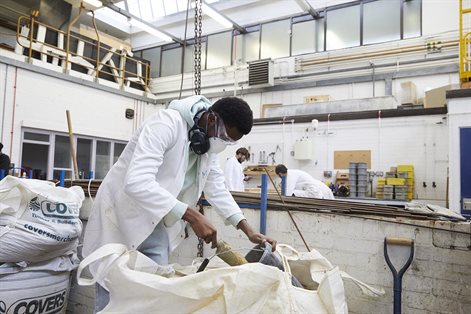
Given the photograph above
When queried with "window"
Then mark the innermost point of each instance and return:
(171, 62)
(381, 21)
(47, 155)
(35, 154)
(190, 58)
(412, 18)
(307, 37)
(36, 137)
(343, 28)
(61, 152)
(84, 154)
(247, 47)
(275, 39)
(102, 159)
(219, 50)
(152, 55)
(347, 25)
(118, 149)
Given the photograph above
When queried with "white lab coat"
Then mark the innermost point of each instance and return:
(301, 184)
(141, 188)
(234, 173)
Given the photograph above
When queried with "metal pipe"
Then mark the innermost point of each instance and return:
(263, 205)
(4, 100)
(341, 116)
(289, 212)
(62, 178)
(415, 48)
(98, 45)
(283, 185)
(13, 113)
(30, 51)
(68, 36)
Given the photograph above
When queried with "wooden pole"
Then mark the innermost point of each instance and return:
(71, 145)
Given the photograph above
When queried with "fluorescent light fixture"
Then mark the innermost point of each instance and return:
(150, 30)
(94, 3)
(215, 15)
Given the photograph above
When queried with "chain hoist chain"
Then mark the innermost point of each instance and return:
(200, 241)
(197, 46)
(197, 55)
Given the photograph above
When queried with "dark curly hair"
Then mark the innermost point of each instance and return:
(235, 112)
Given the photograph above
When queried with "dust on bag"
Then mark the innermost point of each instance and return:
(38, 221)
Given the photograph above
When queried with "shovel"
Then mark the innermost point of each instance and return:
(398, 275)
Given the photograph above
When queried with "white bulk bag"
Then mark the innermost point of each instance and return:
(38, 221)
(138, 285)
(37, 287)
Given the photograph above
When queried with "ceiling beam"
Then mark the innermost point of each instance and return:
(130, 16)
(241, 29)
(303, 4)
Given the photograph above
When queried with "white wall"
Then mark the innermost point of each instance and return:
(40, 101)
(438, 281)
(439, 16)
(459, 115)
(421, 141)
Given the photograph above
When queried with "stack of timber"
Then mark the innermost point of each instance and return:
(306, 204)
(337, 207)
(84, 184)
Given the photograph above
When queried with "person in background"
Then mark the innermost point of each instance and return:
(234, 172)
(300, 183)
(4, 162)
(150, 194)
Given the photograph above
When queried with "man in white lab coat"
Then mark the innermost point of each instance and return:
(234, 171)
(300, 183)
(149, 195)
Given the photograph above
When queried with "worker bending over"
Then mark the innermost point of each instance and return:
(300, 183)
(234, 171)
(149, 195)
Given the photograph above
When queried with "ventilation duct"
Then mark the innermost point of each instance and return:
(261, 73)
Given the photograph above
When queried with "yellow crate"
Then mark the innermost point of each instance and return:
(410, 181)
(405, 168)
(381, 181)
(395, 181)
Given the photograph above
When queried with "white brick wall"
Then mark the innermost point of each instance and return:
(438, 281)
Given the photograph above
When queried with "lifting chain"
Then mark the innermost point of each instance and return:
(197, 52)
(197, 46)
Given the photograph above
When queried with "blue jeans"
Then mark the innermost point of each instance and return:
(155, 247)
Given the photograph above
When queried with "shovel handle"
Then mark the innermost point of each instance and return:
(400, 241)
(203, 265)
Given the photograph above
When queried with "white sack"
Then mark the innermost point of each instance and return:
(138, 285)
(38, 221)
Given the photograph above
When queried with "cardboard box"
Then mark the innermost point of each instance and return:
(437, 97)
(408, 93)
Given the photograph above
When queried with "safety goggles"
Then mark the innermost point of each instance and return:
(221, 132)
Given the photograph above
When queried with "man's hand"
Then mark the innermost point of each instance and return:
(201, 226)
(255, 237)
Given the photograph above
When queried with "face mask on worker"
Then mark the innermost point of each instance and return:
(221, 139)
